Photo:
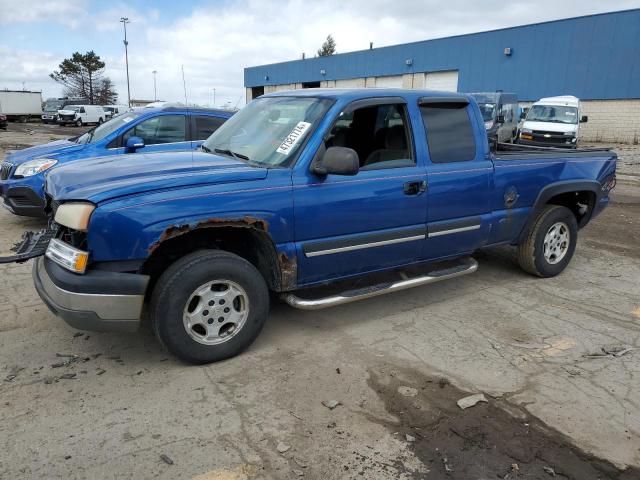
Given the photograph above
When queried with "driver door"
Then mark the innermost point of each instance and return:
(376, 219)
(160, 134)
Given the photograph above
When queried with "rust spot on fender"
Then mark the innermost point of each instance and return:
(174, 231)
(288, 272)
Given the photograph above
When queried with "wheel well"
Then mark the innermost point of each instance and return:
(253, 245)
(581, 203)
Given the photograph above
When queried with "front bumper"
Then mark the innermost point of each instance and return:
(101, 301)
(23, 201)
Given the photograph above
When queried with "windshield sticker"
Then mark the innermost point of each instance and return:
(293, 138)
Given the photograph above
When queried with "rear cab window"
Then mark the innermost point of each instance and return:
(449, 130)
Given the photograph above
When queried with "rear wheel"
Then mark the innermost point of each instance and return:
(550, 242)
(209, 305)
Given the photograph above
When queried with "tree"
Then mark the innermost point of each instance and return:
(105, 93)
(83, 76)
(328, 47)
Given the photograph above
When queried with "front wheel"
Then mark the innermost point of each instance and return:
(209, 305)
(550, 242)
(100, 121)
(79, 122)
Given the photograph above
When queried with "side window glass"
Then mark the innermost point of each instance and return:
(379, 134)
(82, 110)
(205, 126)
(158, 130)
(449, 132)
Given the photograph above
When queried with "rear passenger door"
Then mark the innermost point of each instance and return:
(460, 175)
(161, 133)
(202, 127)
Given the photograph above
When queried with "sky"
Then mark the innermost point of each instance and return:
(215, 40)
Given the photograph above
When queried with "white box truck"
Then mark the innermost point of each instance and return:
(20, 105)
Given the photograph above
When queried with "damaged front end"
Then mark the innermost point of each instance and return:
(32, 245)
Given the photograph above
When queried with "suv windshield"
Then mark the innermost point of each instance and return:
(107, 128)
(552, 114)
(488, 111)
(268, 131)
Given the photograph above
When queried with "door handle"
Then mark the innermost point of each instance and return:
(415, 188)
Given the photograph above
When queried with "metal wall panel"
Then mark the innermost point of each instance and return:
(591, 57)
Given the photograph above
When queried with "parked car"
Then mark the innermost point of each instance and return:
(114, 110)
(553, 121)
(52, 105)
(301, 189)
(80, 115)
(500, 114)
(3, 121)
(152, 130)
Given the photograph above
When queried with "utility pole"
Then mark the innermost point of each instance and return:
(124, 21)
(214, 98)
(155, 95)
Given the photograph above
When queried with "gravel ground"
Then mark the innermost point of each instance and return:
(91, 405)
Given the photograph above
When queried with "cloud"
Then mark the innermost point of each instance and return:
(217, 40)
(65, 12)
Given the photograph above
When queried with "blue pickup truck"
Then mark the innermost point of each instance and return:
(304, 194)
(147, 130)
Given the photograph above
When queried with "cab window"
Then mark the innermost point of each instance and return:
(378, 133)
(158, 130)
(205, 125)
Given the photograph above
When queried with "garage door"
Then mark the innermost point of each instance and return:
(350, 83)
(392, 81)
(447, 81)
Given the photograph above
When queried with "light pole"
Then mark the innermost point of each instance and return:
(124, 21)
(155, 95)
(214, 97)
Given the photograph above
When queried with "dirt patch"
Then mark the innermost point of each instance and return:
(616, 229)
(488, 440)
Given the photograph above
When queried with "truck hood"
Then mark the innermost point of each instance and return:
(67, 112)
(551, 127)
(104, 178)
(48, 150)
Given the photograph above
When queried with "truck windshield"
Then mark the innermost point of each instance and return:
(552, 114)
(268, 131)
(53, 106)
(107, 128)
(488, 111)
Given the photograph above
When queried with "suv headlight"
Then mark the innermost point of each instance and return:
(33, 167)
(75, 215)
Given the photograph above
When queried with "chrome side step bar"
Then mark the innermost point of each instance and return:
(468, 265)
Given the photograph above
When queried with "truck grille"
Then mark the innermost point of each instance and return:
(5, 170)
(66, 117)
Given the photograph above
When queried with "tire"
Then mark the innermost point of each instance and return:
(531, 252)
(79, 122)
(100, 121)
(173, 299)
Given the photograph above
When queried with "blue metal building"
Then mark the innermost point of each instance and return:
(595, 57)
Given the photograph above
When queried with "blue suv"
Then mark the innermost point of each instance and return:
(145, 131)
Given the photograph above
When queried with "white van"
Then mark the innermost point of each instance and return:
(552, 122)
(80, 115)
(114, 110)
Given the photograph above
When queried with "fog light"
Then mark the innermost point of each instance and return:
(68, 257)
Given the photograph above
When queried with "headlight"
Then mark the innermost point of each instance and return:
(75, 215)
(570, 134)
(34, 167)
(525, 130)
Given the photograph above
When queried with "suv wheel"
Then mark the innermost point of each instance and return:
(550, 242)
(209, 305)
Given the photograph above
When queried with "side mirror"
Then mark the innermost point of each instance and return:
(338, 161)
(500, 119)
(133, 144)
(584, 119)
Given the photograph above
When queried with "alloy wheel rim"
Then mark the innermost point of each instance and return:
(215, 312)
(556, 243)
